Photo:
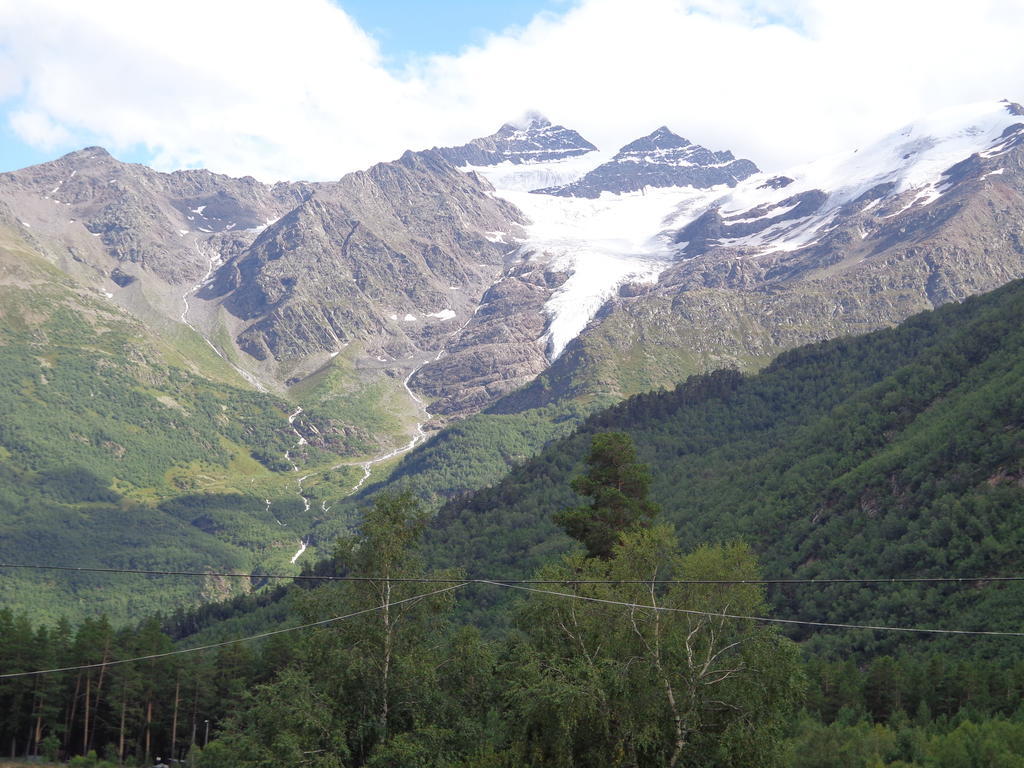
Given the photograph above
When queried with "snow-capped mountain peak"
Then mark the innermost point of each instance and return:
(534, 139)
(529, 124)
(603, 240)
(912, 166)
(661, 159)
(662, 138)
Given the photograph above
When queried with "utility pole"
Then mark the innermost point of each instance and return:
(206, 739)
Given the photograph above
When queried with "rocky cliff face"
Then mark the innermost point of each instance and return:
(395, 257)
(128, 221)
(660, 159)
(499, 349)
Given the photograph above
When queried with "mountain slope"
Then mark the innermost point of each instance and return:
(119, 447)
(892, 454)
(358, 281)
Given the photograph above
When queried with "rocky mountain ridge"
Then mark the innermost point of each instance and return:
(141, 219)
(402, 250)
(535, 139)
(394, 257)
(666, 260)
(660, 159)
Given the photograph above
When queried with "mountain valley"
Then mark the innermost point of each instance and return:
(499, 292)
(400, 385)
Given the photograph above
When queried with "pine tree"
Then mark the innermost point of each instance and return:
(617, 485)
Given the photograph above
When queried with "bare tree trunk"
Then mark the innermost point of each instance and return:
(71, 714)
(31, 730)
(149, 720)
(670, 694)
(85, 727)
(174, 718)
(37, 706)
(195, 707)
(386, 667)
(39, 728)
(120, 735)
(91, 737)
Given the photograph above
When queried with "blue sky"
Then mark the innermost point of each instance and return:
(312, 89)
(15, 153)
(405, 28)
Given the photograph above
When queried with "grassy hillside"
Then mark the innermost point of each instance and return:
(122, 448)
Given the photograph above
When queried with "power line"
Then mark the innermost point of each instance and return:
(181, 651)
(766, 619)
(437, 580)
(522, 587)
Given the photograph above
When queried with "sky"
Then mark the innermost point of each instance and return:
(312, 89)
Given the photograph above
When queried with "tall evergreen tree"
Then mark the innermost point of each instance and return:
(617, 485)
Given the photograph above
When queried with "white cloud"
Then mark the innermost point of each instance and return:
(38, 130)
(297, 90)
(723, 74)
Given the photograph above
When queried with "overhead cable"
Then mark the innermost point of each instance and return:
(441, 580)
(765, 619)
(182, 651)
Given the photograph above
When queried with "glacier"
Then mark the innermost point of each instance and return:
(617, 239)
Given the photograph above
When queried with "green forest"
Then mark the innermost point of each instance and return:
(899, 452)
(627, 651)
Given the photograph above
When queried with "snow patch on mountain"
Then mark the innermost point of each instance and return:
(914, 158)
(522, 177)
(602, 243)
(444, 314)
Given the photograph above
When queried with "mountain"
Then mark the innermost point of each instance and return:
(660, 159)
(930, 214)
(136, 233)
(575, 255)
(396, 300)
(393, 258)
(607, 296)
(532, 140)
(618, 322)
(152, 325)
(362, 279)
(413, 267)
(665, 260)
